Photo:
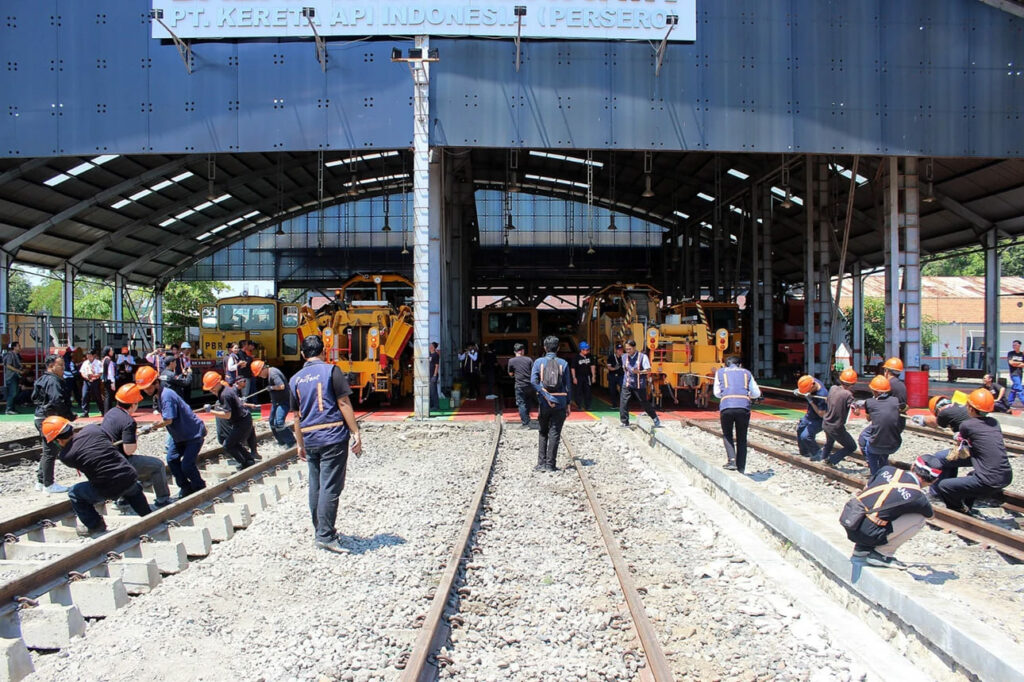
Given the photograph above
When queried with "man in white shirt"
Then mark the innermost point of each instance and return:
(636, 368)
(92, 373)
(125, 367)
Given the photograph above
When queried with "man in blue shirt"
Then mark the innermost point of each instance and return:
(187, 432)
(550, 378)
(810, 424)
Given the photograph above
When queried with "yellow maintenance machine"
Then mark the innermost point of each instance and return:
(366, 330)
(684, 352)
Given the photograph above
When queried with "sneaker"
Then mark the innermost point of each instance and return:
(729, 466)
(881, 561)
(625, 426)
(861, 550)
(490, 396)
(657, 423)
(333, 546)
(84, 531)
(162, 502)
(540, 467)
(10, 412)
(56, 488)
(550, 469)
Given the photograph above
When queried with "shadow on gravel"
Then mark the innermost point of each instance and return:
(932, 577)
(761, 476)
(586, 462)
(358, 545)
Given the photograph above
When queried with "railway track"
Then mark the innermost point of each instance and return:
(986, 534)
(52, 579)
(423, 663)
(16, 449)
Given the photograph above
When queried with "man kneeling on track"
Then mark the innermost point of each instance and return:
(838, 405)
(881, 437)
(187, 432)
(810, 389)
(979, 445)
(944, 414)
(233, 412)
(120, 427)
(896, 508)
(109, 474)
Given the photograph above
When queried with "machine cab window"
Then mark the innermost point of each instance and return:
(290, 316)
(247, 316)
(209, 317)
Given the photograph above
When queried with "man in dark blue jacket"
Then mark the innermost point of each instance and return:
(735, 388)
(550, 379)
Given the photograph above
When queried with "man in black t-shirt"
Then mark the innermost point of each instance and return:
(435, 376)
(945, 414)
(614, 367)
(519, 368)
(881, 437)
(583, 373)
(119, 425)
(1015, 359)
(232, 410)
(897, 508)
(998, 391)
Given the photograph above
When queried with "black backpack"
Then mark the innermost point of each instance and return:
(551, 375)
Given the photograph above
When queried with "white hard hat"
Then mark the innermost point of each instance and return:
(186, 344)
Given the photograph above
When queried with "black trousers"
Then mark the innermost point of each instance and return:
(581, 394)
(957, 492)
(738, 419)
(640, 395)
(237, 434)
(551, 420)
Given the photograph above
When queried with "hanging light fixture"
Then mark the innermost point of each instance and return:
(590, 251)
(787, 203)
(387, 214)
(509, 225)
(929, 188)
(648, 169)
(611, 222)
(280, 230)
(513, 167)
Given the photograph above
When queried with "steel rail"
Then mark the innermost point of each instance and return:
(1010, 500)
(657, 662)
(986, 534)
(418, 667)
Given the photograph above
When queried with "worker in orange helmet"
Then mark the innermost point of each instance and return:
(882, 436)
(891, 370)
(979, 444)
(120, 426)
(109, 475)
(810, 425)
(837, 409)
(230, 410)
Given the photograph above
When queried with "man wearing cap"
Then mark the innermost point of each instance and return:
(735, 388)
(979, 445)
(185, 369)
(50, 400)
(882, 436)
(325, 428)
(120, 427)
(897, 508)
(520, 368)
(187, 432)
(614, 366)
(944, 414)
(125, 367)
(583, 375)
(232, 411)
(837, 410)
(108, 474)
(435, 376)
(811, 390)
(279, 401)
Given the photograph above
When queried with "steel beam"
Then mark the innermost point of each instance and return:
(810, 272)
(857, 354)
(158, 315)
(910, 260)
(67, 301)
(18, 171)
(823, 285)
(5, 277)
(423, 309)
(891, 246)
(118, 312)
(992, 290)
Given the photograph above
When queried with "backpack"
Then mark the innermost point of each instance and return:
(551, 375)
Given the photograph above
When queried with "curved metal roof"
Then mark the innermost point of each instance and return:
(147, 217)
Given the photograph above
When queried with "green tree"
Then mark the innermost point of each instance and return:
(182, 303)
(45, 298)
(874, 328)
(961, 265)
(19, 291)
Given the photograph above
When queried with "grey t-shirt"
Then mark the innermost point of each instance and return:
(838, 407)
(14, 360)
(520, 366)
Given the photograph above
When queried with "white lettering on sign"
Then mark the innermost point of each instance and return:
(567, 19)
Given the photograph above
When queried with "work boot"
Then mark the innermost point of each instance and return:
(881, 561)
(162, 502)
(730, 466)
(84, 531)
(333, 546)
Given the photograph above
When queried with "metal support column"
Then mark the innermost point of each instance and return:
(118, 312)
(823, 285)
(910, 260)
(5, 300)
(158, 314)
(810, 272)
(857, 354)
(754, 293)
(767, 364)
(992, 277)
(67, 302)
(423, 305)
(891, 247)
(438, 205)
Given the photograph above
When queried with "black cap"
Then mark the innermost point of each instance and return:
(618, 346)
(518, 347)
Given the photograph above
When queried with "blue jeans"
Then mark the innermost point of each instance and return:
(284, 435)
(84, 498)
(181, 458)
(876, 457)
(523, 394)
(326, 481)
(1016, 391)
(806, 430)
(12, 391)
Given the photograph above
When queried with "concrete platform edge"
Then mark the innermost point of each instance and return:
(983, 652)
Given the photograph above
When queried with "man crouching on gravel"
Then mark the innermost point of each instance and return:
(325, 423)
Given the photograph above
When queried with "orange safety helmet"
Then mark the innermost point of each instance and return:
(981, 399)
(257, 367)
(936, 402)
(210, 380)
(129, 394)
(805, 384)
(894, 364)
(848, 376)
(146, 377)
(55, 426)
(880, 384)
